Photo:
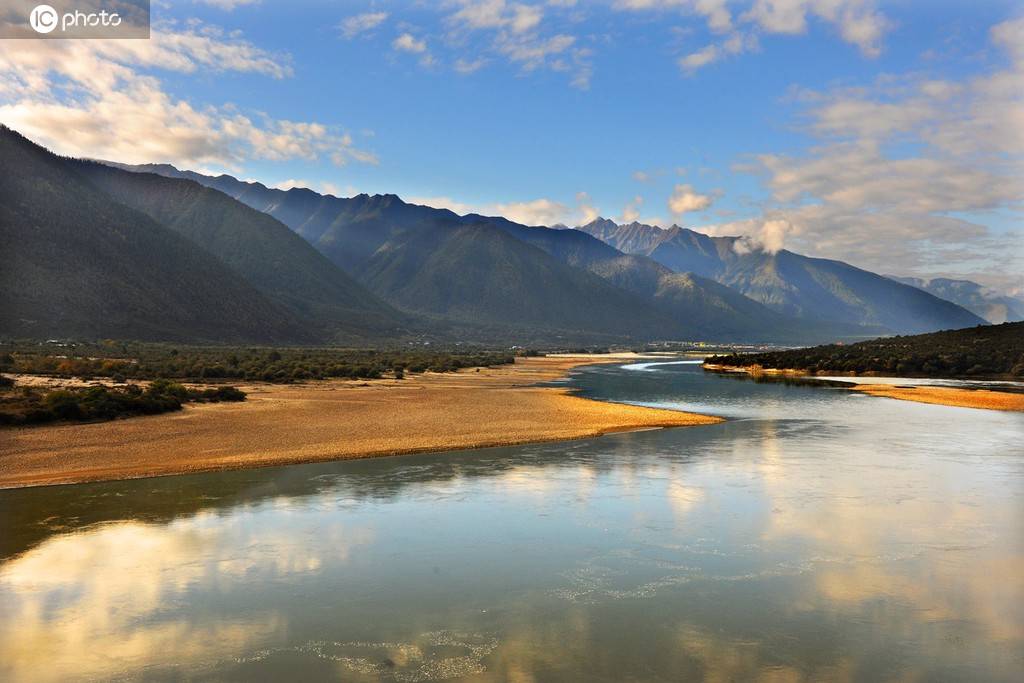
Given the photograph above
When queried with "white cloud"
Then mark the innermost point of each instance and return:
(543, 211)
(631, 212)
(441, 202)
(536, 212)
(921, 206)
(585, 208)
(1009, 35)
(858, 21)
(494, 14)
(361, 23)
(532, 53)
(715, 12)
(760, 234)
(322, 186)
(525, 18)
(98, 98)
(685, 199)
(735, 44)
(478, 14)
(518, 34)
(327, 187)
(467, 66)
(409, 43)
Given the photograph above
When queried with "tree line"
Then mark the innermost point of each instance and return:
(122, 361)
(989, 351)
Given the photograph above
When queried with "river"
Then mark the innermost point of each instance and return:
(819, 534)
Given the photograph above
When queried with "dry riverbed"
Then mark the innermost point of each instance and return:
(330, 420)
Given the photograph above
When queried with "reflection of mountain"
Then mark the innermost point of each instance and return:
(810, 288)
(992, 306)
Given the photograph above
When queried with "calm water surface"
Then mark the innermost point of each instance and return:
(820, 534)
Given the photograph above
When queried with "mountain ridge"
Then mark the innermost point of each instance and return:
(264, 251)
(353, 232)
(802, 286)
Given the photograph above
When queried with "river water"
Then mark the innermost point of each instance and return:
(819, 534)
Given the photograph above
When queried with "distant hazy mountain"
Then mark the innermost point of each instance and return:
(992, 306)
(77, 263)
(434, 261)
(809, 288)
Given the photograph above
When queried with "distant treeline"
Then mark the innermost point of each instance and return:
(125, 360)
(32, 405)
(983, 351)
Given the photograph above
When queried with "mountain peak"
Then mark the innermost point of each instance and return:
(601, 222)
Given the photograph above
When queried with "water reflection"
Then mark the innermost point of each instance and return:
(823, 535)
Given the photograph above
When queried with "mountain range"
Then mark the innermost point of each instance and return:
(793, 284)
(99, 252)
(492, 270)
(99, 249)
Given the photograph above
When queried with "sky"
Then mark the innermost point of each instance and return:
(886, 134)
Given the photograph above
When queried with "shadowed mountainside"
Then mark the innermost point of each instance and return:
(264, 251)
(77, 263)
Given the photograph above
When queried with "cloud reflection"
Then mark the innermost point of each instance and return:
(118, 596)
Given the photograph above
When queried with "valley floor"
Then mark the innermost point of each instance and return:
(329, 420)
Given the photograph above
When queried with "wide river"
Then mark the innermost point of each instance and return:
(819, 534)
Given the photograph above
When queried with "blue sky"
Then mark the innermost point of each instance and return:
(885, 134)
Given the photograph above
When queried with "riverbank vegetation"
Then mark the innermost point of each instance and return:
(990, 351)
(40, 405)
(122, 361)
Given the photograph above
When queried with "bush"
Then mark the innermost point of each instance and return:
(106, 403)
(64, 405)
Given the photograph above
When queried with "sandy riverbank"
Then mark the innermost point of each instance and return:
(329, 420)
(947, 396)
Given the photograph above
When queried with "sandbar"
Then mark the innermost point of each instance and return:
(330, 420)
(948, 396)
